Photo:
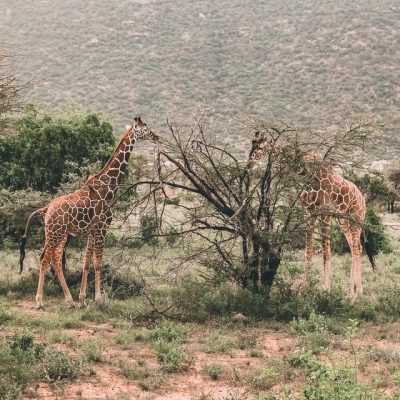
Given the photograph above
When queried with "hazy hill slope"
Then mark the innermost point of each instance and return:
(315, 62)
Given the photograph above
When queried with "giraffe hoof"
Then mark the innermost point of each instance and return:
(39, 307)
(71, 305)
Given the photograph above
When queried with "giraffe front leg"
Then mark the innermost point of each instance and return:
(326, 252)
(44, 263)
(85, 272)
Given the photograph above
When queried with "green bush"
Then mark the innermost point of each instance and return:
(24, 350)
(213, 370)
(20, 363)
(264, 379)
(58, 365)
(92, 350)
(315, 323)
(389, 301)
(15, 207)
(48, 147)
(168, 331)
(172, 356)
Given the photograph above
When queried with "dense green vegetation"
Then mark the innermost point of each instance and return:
(47, 148)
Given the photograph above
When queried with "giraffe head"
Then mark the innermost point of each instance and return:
(141, 131)
(259, 147)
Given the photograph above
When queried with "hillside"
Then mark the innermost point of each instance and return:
(315, 63)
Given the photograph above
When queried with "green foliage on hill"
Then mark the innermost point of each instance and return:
(316, 63)
(46, 148)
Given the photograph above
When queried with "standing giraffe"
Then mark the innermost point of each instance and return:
(326, 194)
(85, 211)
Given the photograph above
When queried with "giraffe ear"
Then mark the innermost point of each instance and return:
(257, 135)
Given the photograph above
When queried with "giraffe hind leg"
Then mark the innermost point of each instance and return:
(44, 263)
(85, 271)
(57, 265)
(309, 250)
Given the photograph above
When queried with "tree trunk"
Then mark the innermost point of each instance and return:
(270, 262)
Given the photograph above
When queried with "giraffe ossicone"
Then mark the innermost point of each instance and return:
(85, 211)
(326, 194)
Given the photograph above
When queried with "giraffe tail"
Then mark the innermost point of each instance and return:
(23, 238)
(369, 251)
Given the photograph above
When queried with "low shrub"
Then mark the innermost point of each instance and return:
(58, 365)
(264, 379)
(172, 356)
(213, 370)
(218, 343)
(92, 350)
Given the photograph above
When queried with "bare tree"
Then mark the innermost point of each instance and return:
(236, 219)
(11, 88)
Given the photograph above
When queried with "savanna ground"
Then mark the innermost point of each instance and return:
(298, 344)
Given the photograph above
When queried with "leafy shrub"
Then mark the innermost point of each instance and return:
(172, 356)
(15, 207)
(218, 343)
(169, 332)
(92, 350)
(314, 331)
(20, 363)
(58, 365)
(315, 323)
(213, 370)
(389, 301)
(5, 315)
(147, 378)
(25, 350)
(48, 147)
(167, 341)
(264, 379)
(198, 299)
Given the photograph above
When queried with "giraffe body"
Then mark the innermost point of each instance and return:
(85, 211)
(326, 195)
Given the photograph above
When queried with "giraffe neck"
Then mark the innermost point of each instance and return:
(106, 182)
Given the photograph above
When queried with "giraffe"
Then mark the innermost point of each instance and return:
(85, 211)
(325, 194)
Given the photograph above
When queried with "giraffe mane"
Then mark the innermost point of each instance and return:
(115, 151)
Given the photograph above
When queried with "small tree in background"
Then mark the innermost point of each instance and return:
(11, 89)
(393, 174)
(48, 147)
